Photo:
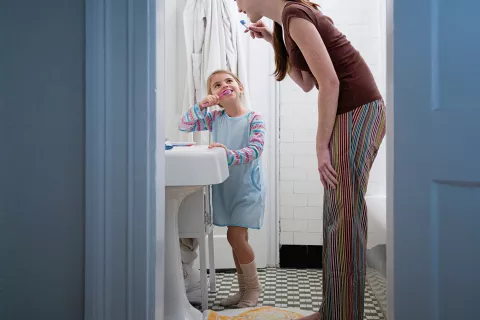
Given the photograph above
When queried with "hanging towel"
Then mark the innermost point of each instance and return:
(212, 40)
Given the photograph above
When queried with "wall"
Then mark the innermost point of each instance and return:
(42, 130)
(300, 186)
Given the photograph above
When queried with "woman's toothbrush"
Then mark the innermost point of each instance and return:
(244, 24)
(224, 93)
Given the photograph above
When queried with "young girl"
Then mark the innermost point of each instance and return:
(238, 202)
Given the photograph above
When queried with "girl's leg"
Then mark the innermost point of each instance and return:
(235, 259)
(235, 298)
(355, 140)
(238, 239)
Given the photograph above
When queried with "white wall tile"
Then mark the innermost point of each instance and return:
(308, 187)
(286, 212)
(286, 187)
(312, 239)
(287, 122)
(286, 237)
(286, 160)
(313, 174)
(286, 135)
(307, 213)
(304, 135)
(293, 200)
(301, 148)
(294, 225)
(305, 161)
(315, 226)
(315, 200)
(293, 174)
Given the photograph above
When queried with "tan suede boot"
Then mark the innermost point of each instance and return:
(253, 289)
(234, 299)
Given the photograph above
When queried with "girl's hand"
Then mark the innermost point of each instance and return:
(208, 101)
(217, 145)
(327, 173)
(259, 30)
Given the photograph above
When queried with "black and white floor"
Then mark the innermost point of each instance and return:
(290, 288)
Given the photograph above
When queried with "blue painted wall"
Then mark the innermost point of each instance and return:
(42, 143)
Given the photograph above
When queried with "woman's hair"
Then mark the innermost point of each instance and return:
(282, 66)
(209, 80)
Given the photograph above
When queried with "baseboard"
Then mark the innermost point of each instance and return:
(223, 271)
(296, 256)
(302, 257)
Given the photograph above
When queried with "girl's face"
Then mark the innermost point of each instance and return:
(222, 82)
(250, 8)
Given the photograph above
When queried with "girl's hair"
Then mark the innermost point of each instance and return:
(209, 80)
(282, 66)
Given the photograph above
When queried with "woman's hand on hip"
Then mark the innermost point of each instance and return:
(327, 173)
(259, 30)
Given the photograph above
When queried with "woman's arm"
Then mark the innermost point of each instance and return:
(197, 120)
(309, 41)
(303, 79)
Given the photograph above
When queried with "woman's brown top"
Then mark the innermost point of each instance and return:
(357, 85)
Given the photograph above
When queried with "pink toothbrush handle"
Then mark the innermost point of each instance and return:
(221, 95)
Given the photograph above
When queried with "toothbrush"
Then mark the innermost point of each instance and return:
(224, 93)
(244, 24)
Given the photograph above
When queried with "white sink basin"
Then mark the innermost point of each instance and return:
(195, 166)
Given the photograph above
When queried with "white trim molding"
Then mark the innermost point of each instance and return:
(273, 241)
(390, 70)
(272, 118)
(120, 160)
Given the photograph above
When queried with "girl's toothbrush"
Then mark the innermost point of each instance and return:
(224, 93)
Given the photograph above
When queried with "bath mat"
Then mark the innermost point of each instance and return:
(261, 313)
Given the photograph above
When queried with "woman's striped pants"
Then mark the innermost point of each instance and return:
(355, 140)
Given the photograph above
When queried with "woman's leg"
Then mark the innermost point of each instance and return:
(238, 239)
(235, 298)
(354, 144)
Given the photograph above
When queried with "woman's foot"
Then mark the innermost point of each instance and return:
(313, 316)
(237, 297)
(253, 289)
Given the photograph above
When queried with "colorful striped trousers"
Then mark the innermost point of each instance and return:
(356, 137)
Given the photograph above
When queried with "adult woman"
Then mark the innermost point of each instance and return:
(351, 126)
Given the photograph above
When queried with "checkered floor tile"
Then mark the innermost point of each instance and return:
(378, 285)
(289, 288)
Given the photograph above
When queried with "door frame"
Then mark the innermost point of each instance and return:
(123, 220)
(144, 123)
(273, 223)
(389, 23)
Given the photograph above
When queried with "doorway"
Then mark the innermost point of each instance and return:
(424, 218)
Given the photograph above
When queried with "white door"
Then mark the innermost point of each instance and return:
(436, 197)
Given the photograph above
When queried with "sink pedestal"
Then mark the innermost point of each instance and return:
(186, 171)
(177, 306)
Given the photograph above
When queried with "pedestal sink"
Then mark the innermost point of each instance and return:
(187, 169)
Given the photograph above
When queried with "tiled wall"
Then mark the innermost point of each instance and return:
(300, 187)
